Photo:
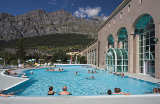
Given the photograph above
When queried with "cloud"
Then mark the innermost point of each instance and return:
(105, 18)
(87, 12)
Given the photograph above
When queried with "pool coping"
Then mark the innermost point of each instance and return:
(113, 99)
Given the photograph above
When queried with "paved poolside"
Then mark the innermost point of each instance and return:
(132, 99)
(7, 82)
(143, 77)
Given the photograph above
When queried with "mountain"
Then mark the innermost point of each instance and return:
(39, 22)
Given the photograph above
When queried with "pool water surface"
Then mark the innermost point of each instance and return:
(79, 85)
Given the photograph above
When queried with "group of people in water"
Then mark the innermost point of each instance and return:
(119, 74)
(92, 71)
(89, 71)
(117, 91)
(63, 92)
(59, 70)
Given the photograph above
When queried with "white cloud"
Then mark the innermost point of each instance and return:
(93, 11)
(87, 12)
(105, 18)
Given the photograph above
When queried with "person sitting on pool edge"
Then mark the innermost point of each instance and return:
(64, 92)
(51, 92)
(117, 91)
(5, 95)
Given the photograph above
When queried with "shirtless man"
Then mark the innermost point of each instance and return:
(64, 92)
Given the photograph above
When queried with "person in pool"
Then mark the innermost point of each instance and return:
(89, 71)
(122, 75)
(91, 78)
(64, 92)
(76, 73)
(51, 92)
(117, 91)
(109, 92)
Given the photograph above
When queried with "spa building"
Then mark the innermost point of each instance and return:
(129, 40)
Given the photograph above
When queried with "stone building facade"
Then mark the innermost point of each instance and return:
(129, 40)
(91, 53)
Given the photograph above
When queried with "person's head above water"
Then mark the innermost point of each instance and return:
(109, 92)
(50, 88)
(64, 88)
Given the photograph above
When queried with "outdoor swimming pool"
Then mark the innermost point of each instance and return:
(78, 85)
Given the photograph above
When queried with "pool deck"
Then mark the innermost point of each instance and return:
(7, 82)
(112, 99)
(143, 77)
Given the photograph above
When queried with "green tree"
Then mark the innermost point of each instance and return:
(60, 55)
(20, 50)
(8, 58)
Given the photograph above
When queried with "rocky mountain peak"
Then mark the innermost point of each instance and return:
(5, 15)
(39, 22)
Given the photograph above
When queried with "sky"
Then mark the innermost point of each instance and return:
(79, 8)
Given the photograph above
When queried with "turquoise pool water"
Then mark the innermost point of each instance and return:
(78, 85)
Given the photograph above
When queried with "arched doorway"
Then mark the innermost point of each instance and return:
(145, 29)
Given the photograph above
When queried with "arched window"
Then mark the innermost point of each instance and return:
(123, 38)
(117, 60)
(145, 28)
(110, 41)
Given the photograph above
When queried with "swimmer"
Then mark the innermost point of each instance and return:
(109, 92)
(62, 69)
(51, 92)
(155, 90)
(31, 72)
(122, 75)
(117, 91)
(76, 73)
(24, 75)
(95, 71)
(50, 70)
(64, 92)
(92, 77)
(59, 69)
